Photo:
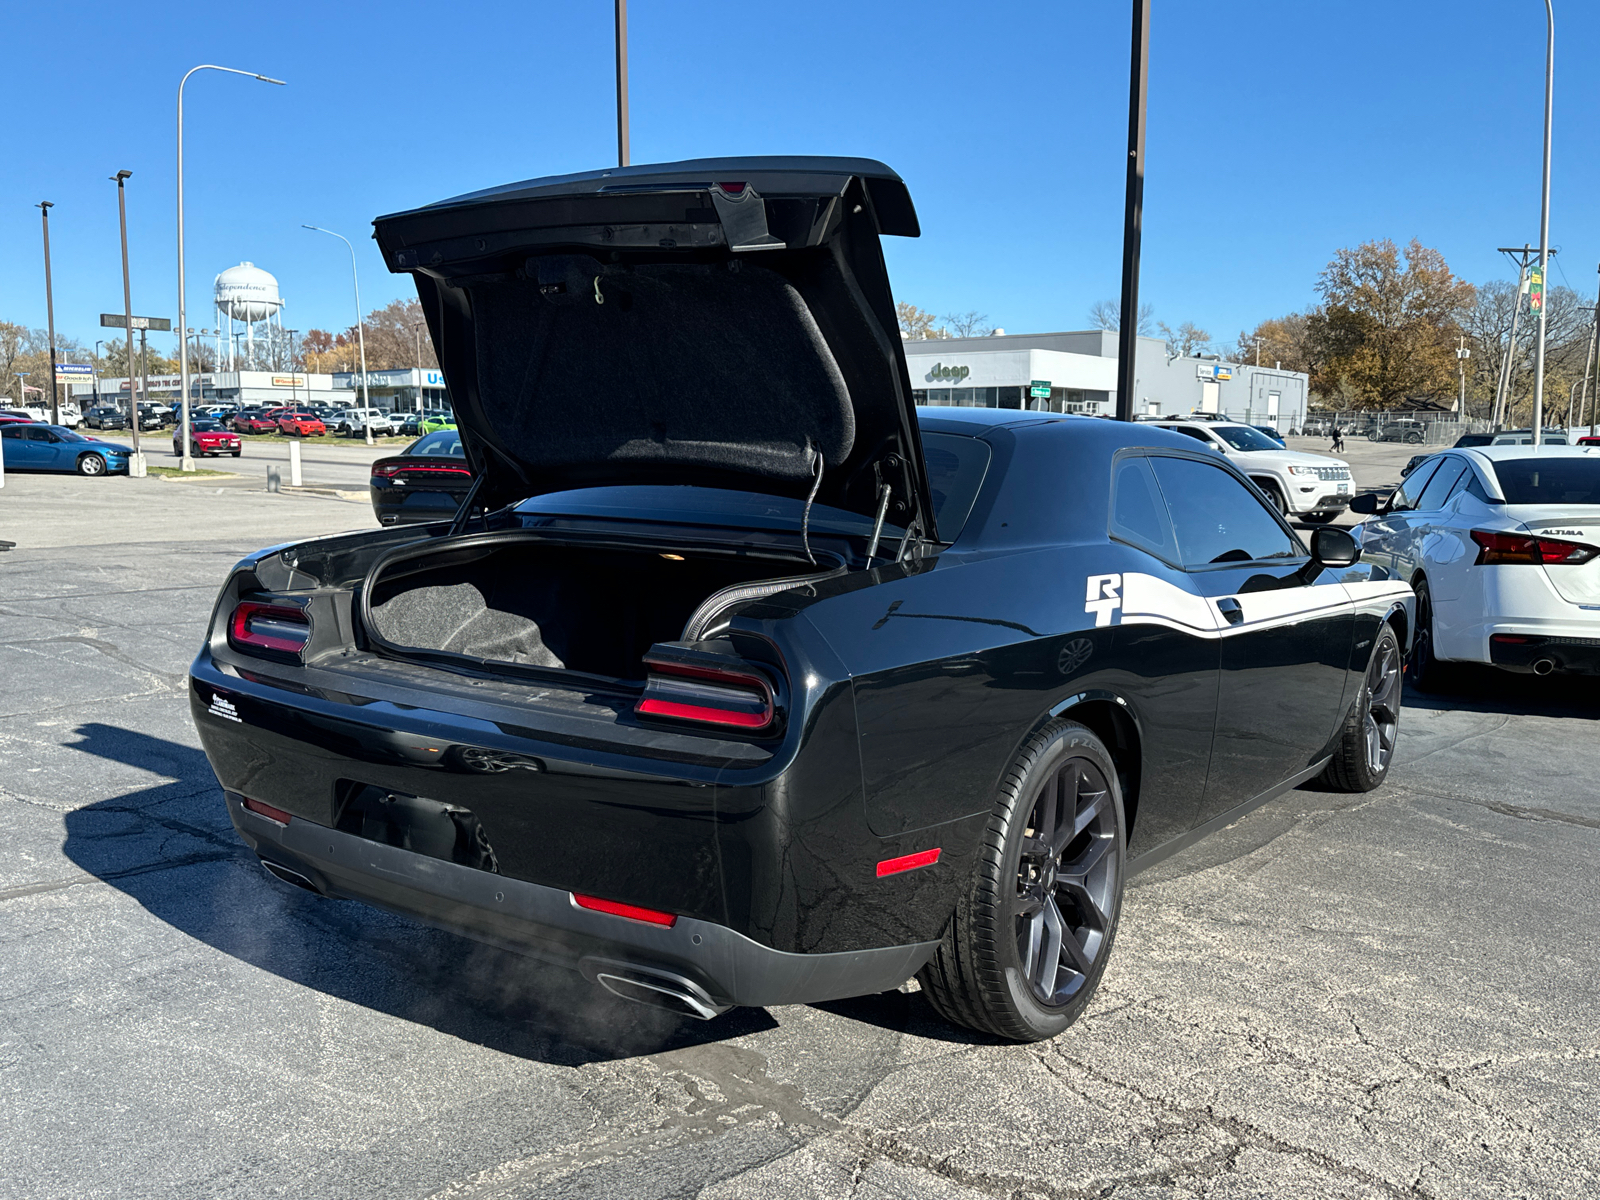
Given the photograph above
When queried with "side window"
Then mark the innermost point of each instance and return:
(1476, 489)
(1405, 496)
(1138, 513)
(1434, 495)
(1198, 435)
(12, 433)
(1215, 518)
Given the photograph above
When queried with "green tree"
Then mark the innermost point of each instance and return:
(918, 324)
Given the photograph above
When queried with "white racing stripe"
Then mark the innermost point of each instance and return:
(1134, 598)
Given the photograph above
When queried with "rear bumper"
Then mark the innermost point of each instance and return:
(545, 923)
(1544, 654)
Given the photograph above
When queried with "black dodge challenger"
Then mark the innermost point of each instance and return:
(738, 680)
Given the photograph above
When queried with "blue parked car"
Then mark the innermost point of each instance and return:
(57, 448)
(1272, 433)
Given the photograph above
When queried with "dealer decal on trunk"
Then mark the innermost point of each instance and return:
(222, 707)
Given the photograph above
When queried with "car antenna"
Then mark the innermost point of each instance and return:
(805, 517)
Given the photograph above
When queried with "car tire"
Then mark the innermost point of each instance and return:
(1275, 494)
(1414, 439)
(91, 464)
(1365, 750)
(1423, 671)
(1318, 518)
(1029, 939)
(236, 453)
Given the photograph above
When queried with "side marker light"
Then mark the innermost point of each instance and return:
(908, 862)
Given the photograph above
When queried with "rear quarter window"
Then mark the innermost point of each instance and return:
(956, 466)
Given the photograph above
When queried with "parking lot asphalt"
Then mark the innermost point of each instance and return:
(324, 462)
(1390, 995)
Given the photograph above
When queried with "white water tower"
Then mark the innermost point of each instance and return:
(249, 295)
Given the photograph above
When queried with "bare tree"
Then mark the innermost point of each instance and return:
(969, 324)
(1107, 314)
(918, 324)
(1187, 340)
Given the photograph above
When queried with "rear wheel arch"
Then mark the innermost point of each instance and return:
(1402, 626)
(1111, 720)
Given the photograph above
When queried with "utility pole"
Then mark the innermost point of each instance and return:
(136, 460)
(50, 312)
(1133, 211)
(1462, 354)
(1588, 361)
(1523, 256)
(1544, 222)
(622, 83)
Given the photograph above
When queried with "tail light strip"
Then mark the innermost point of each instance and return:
(257, 626)
(1496, 547)
(707, 695)
(633, 912)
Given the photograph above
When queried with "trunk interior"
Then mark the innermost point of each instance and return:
(595, 609)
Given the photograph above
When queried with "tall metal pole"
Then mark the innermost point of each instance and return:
(136, 463)
(361, 332)
(1544, 221)
(1462, 354)
(622, 83)
(1502, 393)
(50, 312)
(187, 463)
(1133, 212)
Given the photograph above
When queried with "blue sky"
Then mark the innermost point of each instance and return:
(1277, 133)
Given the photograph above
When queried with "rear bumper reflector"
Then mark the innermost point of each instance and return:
(631, 911)
(908, 862)
(267, 811)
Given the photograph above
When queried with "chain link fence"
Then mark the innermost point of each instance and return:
(1417, 428)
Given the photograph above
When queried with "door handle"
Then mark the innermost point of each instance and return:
(1229, 608)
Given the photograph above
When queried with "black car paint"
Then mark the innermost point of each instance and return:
(910, 686)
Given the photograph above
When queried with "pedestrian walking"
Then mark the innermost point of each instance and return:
(1338, 440)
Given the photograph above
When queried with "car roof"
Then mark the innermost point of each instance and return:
(1499, 453)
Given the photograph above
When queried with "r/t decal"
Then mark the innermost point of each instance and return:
(1104, 597)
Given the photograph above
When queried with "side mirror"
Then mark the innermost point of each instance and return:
(1364, 502)
(1333, 547)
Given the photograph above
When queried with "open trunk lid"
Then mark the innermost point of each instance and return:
(720, 322)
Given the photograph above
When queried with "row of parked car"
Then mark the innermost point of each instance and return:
(303, 420)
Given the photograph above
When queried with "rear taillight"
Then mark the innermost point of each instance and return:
(707, 695)
(279, 627)
(1495, 547)
(384, 470)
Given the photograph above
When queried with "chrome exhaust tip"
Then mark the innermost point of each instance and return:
(1544, 666)
(655, 987)
(288, 876)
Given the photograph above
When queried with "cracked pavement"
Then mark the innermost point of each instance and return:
(1378, 996)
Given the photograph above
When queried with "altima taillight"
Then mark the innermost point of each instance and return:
(706, 695)
(1495, 547)
(255, 626)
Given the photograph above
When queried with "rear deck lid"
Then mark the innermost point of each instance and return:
(719, 322)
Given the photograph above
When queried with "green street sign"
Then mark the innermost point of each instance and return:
(1039, 389)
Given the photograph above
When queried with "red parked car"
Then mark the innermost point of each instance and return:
(1589, 441)
(206, 437)
(301, 424)
(254, 421)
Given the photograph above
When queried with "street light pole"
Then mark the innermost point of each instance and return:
(361, 332)
(97, 346)
(622, 83)
(1544, 220)
(1462, 354)
(136, 460)
(1133, 212)
(50, 312)
(183, 346)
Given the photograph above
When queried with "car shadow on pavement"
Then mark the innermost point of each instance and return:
(172, 848)
(1467, 687)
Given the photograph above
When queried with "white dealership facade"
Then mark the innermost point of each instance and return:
(1080, 370)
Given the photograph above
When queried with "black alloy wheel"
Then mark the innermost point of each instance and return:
(1029, 941)
(1366, 742)
(91, 464)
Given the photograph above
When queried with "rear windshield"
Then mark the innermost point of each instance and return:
(445, 441)
(1549, 480)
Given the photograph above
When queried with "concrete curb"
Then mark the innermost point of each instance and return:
(336, 493)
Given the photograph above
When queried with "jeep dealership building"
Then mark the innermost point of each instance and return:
(1080, 371)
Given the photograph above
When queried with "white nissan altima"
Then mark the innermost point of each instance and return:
(1502, 547)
